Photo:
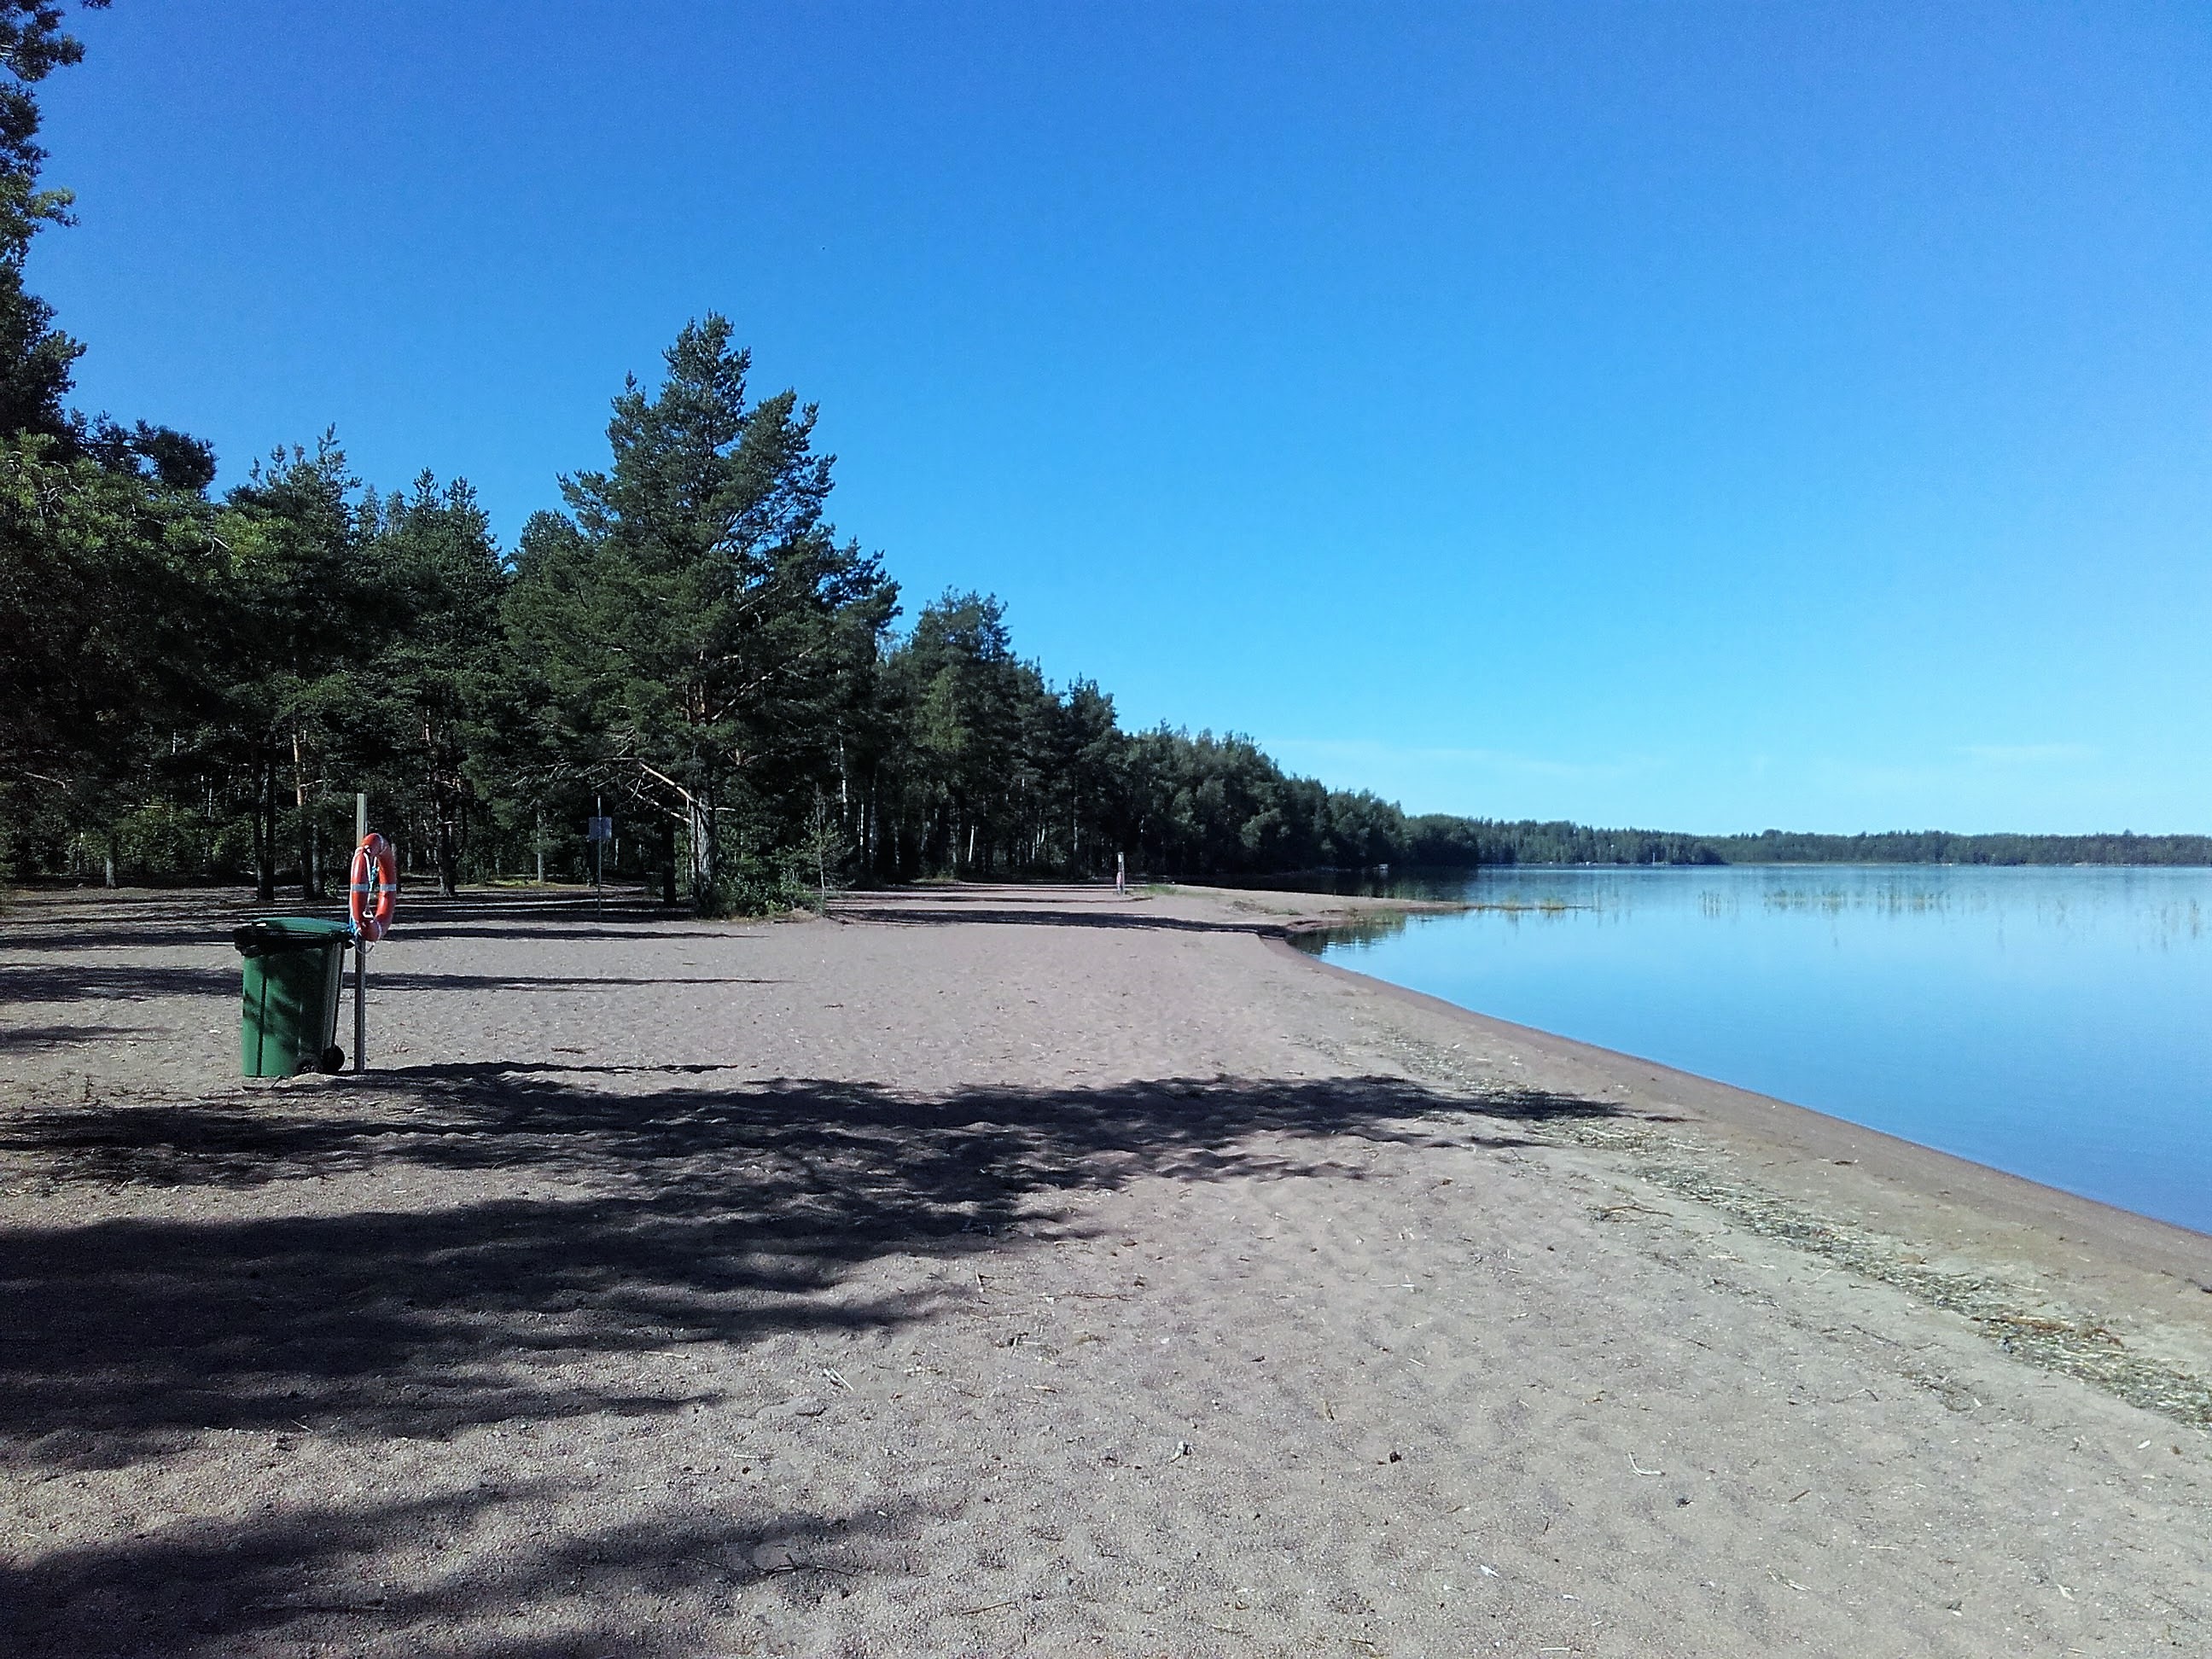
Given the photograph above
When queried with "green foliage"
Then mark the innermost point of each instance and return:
(1459, 844)
(298, 599)
(698, 636)
(981, 767)
(191, 689)
(433, 678)
(32, 45)
(35, 357)
(105, 588)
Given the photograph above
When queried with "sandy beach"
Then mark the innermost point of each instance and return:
(1000, 1270)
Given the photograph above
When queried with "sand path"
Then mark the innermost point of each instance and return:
(1010, 1270)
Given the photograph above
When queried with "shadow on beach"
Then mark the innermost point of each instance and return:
(207, 1587)
(169, 920)
(80, 921)
(676, 1213)
(612, 1214)
(939, 915)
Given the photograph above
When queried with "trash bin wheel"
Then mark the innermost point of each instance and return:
(331, 1060)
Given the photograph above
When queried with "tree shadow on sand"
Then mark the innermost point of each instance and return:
(323, 1574)
(640, 1209)
(26, 1037)
(184, 918)
(936, 914)
(646, 1210)
(80, 981)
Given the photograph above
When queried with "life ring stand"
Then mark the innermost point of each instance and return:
(375, 888)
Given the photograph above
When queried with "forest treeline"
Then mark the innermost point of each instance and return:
(199, 684)
(194, 684)
(1457, 842)
(1937, 846)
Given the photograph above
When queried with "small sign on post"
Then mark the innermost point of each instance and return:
(600, 829)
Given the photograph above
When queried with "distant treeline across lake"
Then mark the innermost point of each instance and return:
(1463, 843)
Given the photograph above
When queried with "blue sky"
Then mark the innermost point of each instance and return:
(1699, 416)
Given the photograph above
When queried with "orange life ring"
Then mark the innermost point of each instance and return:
(375, 887)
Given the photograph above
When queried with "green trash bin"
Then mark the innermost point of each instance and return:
(288, 1022)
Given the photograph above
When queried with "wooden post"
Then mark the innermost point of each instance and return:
(360, 949)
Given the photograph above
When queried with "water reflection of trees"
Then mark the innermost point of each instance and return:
(2044, 900)
(1885, 897)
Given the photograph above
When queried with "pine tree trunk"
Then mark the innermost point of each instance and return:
(300, 805)
(444, 806)
(449, 852)
(265, 828)
(706, 861)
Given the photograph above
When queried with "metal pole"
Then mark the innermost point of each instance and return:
(599, 852)
(360, 950)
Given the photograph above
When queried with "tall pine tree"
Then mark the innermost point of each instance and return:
(699, 631)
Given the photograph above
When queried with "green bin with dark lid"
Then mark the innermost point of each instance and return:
(288, 1022)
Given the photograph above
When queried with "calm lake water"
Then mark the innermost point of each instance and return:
(2054, 1022)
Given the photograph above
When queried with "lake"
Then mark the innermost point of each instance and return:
(2054, 1022)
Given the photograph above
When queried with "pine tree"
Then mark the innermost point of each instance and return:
(428, 687)
(695, 624)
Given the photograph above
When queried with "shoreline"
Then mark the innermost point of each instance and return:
(2024, 1261)
(1023, 1269)
(2146, 1242)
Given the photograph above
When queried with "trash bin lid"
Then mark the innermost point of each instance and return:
(266, 935)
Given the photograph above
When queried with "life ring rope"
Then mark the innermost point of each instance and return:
(375, 888)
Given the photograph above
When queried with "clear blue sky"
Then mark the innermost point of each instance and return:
(1702, 417)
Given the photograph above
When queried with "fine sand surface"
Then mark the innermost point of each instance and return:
(995, 1270)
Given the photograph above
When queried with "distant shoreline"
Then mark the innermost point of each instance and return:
(1273, 881)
